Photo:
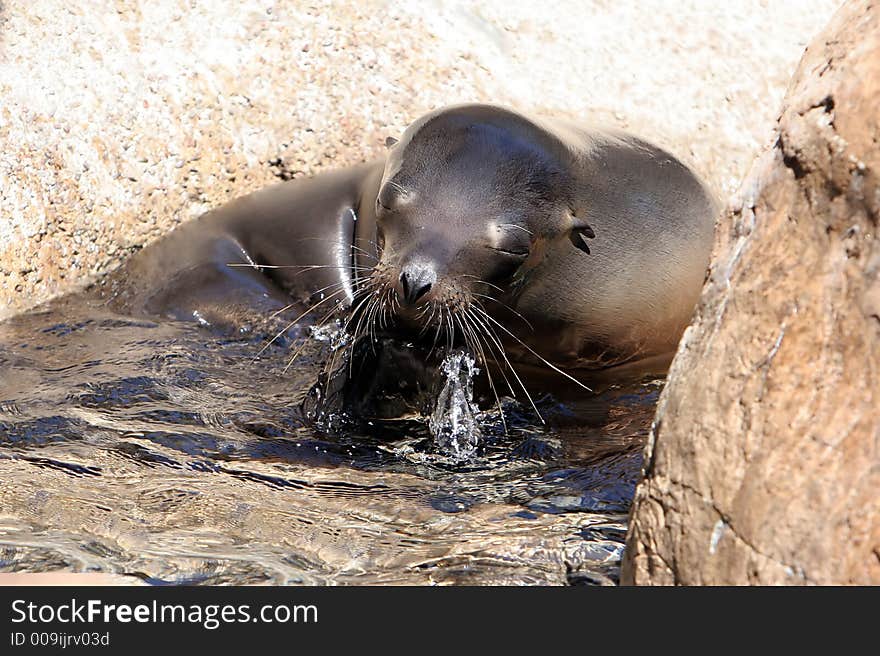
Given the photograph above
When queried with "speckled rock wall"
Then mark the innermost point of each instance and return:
(120, 119)
(764, 467)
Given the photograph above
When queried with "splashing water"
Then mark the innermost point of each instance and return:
(333, 334)
(454, 422)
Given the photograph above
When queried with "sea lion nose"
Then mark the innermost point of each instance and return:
(416, 280)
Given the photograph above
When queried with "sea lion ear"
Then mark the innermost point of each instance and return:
(390, 141)
(579, 234)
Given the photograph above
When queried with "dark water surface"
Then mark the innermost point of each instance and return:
(165, 452)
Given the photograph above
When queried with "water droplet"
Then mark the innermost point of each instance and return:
(454, 422)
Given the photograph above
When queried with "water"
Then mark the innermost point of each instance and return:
(455, 422)
(165, 452)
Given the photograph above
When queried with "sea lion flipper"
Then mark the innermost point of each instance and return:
(219, 287)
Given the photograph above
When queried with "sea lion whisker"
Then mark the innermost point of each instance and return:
(294, 356)
(295, 321)
(360, 312)
(334, 241)
(517, 226)
(397, 186)
(450, 331)
(480, 340)
(351, 343)
(436, 332)
(478, 329)
(533, 352)
(297, 266)
(372, 311)
(365, 287)
(372, 243)
(303, 268)
(485, 282)
(318, 324)
(305, 342)
(370, 324)
(472, 341)
(356, 313)
(333, 357)
(277, 312)
(364, 252)
(325, 288)
(427, 324)
(387, 307)
(423, 312)
(375, 319)
(494, 337)
(506, 307)
(383, 315)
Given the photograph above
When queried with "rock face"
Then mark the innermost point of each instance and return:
(119, 120)
(764, 463)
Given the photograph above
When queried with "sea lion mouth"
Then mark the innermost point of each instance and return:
(418, 318)
(435, 322)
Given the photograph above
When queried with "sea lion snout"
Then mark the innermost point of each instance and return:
(415, 281)
(416, 294)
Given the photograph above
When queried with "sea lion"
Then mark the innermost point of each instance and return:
(533, 242)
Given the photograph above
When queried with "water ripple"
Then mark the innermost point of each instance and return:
(165, 453)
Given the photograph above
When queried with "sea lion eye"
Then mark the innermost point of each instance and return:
(393, 195)
(387, 198)
(510, 239)
(513, 252)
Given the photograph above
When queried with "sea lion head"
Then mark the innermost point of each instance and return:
(469, 197)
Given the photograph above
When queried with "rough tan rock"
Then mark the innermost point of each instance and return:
(764, 463)
(120, 119)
